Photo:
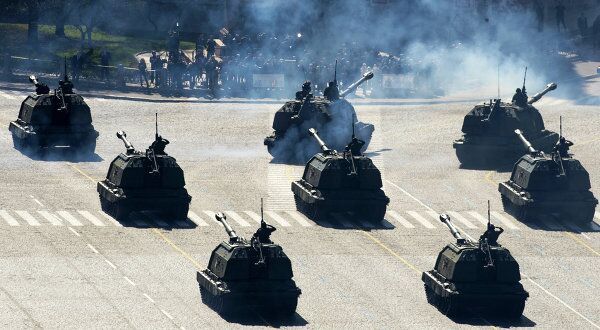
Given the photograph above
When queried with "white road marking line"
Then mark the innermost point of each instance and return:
(150, 299)
(74, 231)
(128, 280)
(54, 220)
(421, 219)
(340, 217)
(7, 96)
(196, 219)
(28, 217)
(37, 201)
(278, 218)
(299, 218)
(479, 217)
(8, 218)
(70, 218)
(400, 219)
(110, 219)
(505, 221)
(409, 195)
(253, 216)
(109, 263)
(93, 249)
(461, 219)
(237, 218)
(91, 218)
(166, 314)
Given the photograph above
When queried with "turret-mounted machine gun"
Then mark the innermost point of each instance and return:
(471, 275)
(65, 87)
(253, 273)
(549, 184)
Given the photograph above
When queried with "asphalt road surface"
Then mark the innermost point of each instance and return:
(65, 264)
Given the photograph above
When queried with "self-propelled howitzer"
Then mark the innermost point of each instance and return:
(475, 275)
(253, 273)
(290, 142)
(344, 181)
(553, 184)
(54, 119)
(144, 181)
(488, 139)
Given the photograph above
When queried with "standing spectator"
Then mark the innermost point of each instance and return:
(582, 25)
(104, 62)
(539, 14)
(211, 46)
(560, 16)
(143, 73)
(155, 64)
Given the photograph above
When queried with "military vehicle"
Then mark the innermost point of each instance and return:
(253, 273)
(144, 181)
(488, 137)
(472, 275)
(329, 114)
(54, 119)
(552, 184)
(344, 181)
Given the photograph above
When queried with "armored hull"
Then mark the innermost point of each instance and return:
(42, 124)
(290, 141)
(453, 299)
(369, 204)
(489, 150)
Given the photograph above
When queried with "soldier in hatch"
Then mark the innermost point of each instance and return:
(520, 98)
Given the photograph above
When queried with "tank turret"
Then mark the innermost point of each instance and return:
(50, 119)
(144, 181)
(290, 141)
(488, 139)
(253, 273)
(340, 182)
(470, 275)
(549, 184)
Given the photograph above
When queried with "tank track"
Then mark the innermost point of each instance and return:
(311, 211)
(531, 214)
(449, 306)
(278, 307)
(119, 212)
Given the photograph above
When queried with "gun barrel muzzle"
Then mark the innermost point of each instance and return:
(313, 132)
(355, 85)
(446, 219)
(223, 219)
(526, 143)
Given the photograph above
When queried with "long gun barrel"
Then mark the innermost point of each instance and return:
(233, 237)
(353, 87)
(123, 137)
(538, 96)
(526, 143)
(313, 133)
(446, 219)
(39, 87)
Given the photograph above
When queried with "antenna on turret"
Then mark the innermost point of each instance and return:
(66, 76)
(262, 217)
(489, 217)
(498, 82)
(156, 125)
(524, 78)
(335, 73)
(560, 127)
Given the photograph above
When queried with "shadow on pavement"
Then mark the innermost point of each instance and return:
(147, 219)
